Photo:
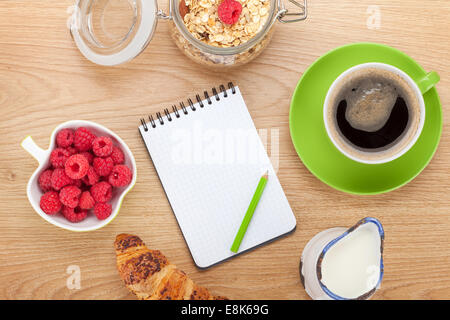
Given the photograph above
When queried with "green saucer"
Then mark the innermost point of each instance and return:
(315, 148)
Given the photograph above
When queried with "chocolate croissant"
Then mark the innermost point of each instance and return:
(150, 276)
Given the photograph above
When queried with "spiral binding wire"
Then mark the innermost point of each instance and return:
(167, 115)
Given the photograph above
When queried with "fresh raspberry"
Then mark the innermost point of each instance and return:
(102, 210)
(45, 180)
(117, 156)
(102, 146)
(103, 166)
(77, 183)
(91, 177)
(101, 192)
(64, 138)
(50, 203)
(120, 176)
(60, 179)
(229, 11)
(74, 214)
(72, 150)
(83, 139)
(70, 196)
(58, 157)
(89, 156)
(86, 201)
(77, 166)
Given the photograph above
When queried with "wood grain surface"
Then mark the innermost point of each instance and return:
(44, 81)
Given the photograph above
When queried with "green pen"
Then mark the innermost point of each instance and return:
(249, 214)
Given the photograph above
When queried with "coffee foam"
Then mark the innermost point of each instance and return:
(370, 103)
(370, 106)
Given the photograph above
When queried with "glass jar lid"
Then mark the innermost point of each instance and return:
(111, 32)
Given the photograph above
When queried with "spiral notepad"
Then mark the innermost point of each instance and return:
(209, 158)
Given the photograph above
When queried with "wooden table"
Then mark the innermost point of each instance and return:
(44, 80)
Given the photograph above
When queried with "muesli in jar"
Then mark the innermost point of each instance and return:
(224, 23)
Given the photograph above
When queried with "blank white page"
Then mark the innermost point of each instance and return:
(209, 162)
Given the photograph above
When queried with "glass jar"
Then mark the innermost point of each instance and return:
(111, 32)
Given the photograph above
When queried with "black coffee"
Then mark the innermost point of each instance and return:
(373, 114)
(372, 110)
(394, 126)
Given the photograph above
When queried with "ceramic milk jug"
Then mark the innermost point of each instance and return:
(341, 263)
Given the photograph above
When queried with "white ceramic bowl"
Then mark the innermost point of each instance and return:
(43, 157)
